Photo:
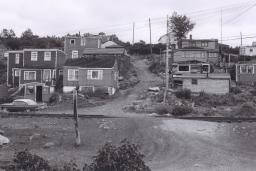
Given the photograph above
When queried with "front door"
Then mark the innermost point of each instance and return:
(39, 93)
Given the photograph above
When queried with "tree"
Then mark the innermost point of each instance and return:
(5, 33)
(27, 34)
(180, 25)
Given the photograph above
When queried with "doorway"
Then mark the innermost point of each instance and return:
(39, 93)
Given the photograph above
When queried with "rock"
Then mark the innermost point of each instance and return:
(48, 145)
(154, 89)
(4, 140)
(1, 132)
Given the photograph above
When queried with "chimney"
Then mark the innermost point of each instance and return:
(190, 36)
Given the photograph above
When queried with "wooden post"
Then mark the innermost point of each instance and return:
(167, 62)
(78, 140)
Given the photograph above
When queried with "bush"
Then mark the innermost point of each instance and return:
(183, 94)
(181, 110)
(123, 158)
(246, 110)
(25, 161)
(54, 99)
(235, 90)
(162, 109)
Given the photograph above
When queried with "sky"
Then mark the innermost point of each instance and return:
(59, 17)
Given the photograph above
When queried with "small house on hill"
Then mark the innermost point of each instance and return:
(246, 73)
(91, 73)
(208, 83)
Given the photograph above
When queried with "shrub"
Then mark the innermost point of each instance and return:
(126, 157)
(162, 109)
(181, 110)
(235, 90)
(24, 161)
(55, 98)
(246, 110)
(183, 94)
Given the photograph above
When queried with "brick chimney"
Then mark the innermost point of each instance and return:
(190, 36)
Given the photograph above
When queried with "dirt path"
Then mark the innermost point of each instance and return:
(114, 108)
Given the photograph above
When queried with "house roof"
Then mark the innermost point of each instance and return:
(92, 62)
(104, 51)
(190, 62)
(203, 76)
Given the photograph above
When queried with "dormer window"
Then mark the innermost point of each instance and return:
(72, 41)
(47, 56)
(204, 44)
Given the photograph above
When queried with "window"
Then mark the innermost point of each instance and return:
(184, 68)
(251, 50)
(213, 55)
(204, 44)
(193, 44)
(16, 73)
(61, 72)
(47, 75)
(72, 41)
(194, 81)
(30, 75)
(54, 74)
(83, 41)
(33, 56)
(95, 74)
(73, 75)
(250, 69)
(17, 58)
(246, 69)
(206, 68)
(74, 54)
(47, 56)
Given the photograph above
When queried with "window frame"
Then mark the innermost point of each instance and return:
(16, 73)
(28, 75)
(71, 41)
(72, 72)
(48, 58)
(34, 56)
(90, 74)
(17, 58)
(204, 44)
(74, 52)
(50, 76)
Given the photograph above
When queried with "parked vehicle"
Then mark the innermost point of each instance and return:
(22, 105)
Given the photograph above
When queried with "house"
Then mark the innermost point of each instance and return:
(246, 73)
(248, 50)
(3, 49)
(209, 83)
(123, 59)
(110, 44)
(75, 45)
(191, 67)
(91, 73)
(204, 50)
(35, 71)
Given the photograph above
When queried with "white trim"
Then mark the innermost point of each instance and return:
(54, 74)
(7, 73)
(73, 53)
(35, 56)
(236, 73)
(17, 58)
(99, 75)
(74, 75)
(28, 73)
(44, 74)
(47, 58)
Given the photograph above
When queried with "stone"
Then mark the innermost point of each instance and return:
(48, 145)
(4, 140)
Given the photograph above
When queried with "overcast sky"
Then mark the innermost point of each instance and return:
(59, 17)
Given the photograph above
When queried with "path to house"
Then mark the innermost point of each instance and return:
(114, 108)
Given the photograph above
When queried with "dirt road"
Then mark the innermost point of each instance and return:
(167, 144)
(114, 108)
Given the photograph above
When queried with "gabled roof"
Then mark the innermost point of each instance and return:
(92, 62)
(104, 51)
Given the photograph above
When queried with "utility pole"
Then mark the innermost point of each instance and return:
(78, 140)
(133, 33)
(241, 44)
(150, 37)
(221, 26)
(167, 61)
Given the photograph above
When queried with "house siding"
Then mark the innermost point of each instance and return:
(212, 86)
(40, 63)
